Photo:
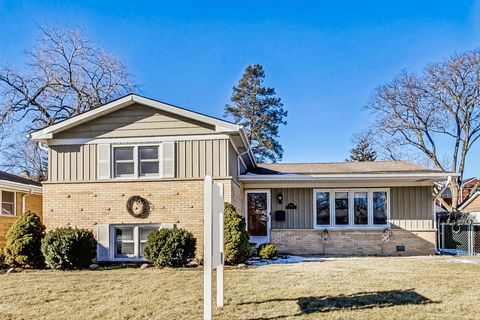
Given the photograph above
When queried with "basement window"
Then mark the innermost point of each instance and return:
(129, 241)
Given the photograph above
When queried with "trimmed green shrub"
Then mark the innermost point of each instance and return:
(69, 248)
(24, 240)
(267, 251)
(170, 247)
(236, 238)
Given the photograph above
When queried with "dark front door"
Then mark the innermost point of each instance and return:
(258, 215)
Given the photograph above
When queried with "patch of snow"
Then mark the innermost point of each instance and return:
(278, 260)
(464, 261)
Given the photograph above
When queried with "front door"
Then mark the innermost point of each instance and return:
(258, 215)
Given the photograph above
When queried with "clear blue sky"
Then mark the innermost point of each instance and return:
(324, 59)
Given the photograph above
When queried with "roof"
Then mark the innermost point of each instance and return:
(5, 176)
(47, 132)
(345, 171)
(343, 168)
(469, 200)
(14, 182)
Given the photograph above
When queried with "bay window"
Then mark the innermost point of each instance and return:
(362, 208)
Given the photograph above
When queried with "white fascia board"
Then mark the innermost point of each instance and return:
(152, 139)
(244, 138)
(46, 133)
(16, 186)
(336, 177)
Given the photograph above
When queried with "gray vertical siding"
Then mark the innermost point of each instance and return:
(194, 159)
(72, 163)
(300, 218)
(410, 208)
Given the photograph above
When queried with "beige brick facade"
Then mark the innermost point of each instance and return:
(353, 242)
(86, 204)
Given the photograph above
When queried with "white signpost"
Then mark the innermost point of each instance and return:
(213, 244)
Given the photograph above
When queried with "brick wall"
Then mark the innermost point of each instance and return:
(86, 204)
(32, 202)
(353, 242)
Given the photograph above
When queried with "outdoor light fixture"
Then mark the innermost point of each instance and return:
(280, 198)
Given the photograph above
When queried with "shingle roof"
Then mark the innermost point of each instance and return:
(342, 168)
(13, 178)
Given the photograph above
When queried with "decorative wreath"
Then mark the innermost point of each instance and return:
(456, 228)
(325, 236)
(386, 235)
(138, 207)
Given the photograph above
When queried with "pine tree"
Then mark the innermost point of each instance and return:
(362, 151)
(256, 108)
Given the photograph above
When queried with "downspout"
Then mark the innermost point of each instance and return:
(24, 196)
(435, 227)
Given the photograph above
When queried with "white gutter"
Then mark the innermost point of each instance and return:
(247, 145)
(21, 187)
(435, 227)
(24, 196)
(336, 177)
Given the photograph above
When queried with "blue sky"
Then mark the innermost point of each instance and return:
(324, 59)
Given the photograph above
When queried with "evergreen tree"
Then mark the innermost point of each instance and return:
(362, 151)
(256, 108)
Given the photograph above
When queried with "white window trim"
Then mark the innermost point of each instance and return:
(140, 161)
(14, 204)
(136, 161)
(136, 241)
(351, 225)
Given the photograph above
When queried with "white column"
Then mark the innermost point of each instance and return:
(207, 250)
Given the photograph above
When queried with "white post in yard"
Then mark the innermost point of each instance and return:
(213, 244)
(207, 250)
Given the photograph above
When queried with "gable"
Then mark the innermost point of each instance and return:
(136, 120)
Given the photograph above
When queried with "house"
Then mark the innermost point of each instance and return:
(472, 204)
(466, 187)
(136, 164)
(17, 195)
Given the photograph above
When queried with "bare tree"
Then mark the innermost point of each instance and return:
(434, 113)
(65, 74)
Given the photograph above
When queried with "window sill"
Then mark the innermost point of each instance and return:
(8, 215)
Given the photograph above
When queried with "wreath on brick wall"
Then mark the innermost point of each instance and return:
(138, 207)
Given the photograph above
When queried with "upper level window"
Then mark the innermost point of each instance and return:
(149, 161)
(8, 203)
(124, 161)
(351, 208)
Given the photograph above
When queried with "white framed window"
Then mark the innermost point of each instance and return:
(124, 161)
(129, 241)
(148, 161)
(351, 208)
(8, 200)
(138, 161)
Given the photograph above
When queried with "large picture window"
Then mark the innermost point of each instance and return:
(351, 208)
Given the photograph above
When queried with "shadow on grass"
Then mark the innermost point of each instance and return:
(356, 301)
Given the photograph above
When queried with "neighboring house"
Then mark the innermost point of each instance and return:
(17, 196)
(472, 204)
(136, 146)
(466, 187)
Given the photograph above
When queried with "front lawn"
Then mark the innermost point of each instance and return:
(364, 288)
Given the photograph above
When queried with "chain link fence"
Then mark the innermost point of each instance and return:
(461, 238)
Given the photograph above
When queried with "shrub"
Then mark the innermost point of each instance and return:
(69, 248)
(24, 240)
(236, 238)
(2, 259)
(170, 247)
(267, 251)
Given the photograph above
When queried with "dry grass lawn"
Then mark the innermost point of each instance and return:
(365, 288)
